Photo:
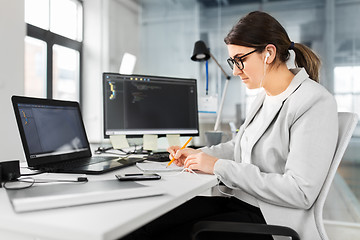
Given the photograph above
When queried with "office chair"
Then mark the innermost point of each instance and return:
(347, 124)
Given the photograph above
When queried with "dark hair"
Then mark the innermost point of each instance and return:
(258, 29)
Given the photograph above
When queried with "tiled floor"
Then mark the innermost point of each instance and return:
(342, 206)
(342, 231)
(350, 172)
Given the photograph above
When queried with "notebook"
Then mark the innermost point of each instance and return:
(54, 138)
(40, 197)
(154, 167)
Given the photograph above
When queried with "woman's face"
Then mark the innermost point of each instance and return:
(253, 71)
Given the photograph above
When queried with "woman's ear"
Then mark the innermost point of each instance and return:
(270, 54)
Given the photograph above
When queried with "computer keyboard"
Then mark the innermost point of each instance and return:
(158, 157)
(79, 162)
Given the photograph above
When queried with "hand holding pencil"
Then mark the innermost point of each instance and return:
(193, 159)
(170, 149)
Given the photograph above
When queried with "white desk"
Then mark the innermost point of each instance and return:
(101, 221)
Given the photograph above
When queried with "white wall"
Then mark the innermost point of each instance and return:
(110, 30)
(92, 67)
(123, 17)
(12, 29)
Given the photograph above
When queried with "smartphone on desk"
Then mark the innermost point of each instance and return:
(138, 177)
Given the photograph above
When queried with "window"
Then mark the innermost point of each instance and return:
(347, 88)
(65, 73)
(53, 48)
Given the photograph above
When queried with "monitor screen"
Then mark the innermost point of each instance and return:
(135, 105)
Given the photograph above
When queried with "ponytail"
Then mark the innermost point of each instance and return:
(306, 58)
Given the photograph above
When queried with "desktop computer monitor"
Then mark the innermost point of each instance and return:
(135, 105)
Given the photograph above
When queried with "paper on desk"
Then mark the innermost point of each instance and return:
(150, 142)
(119, 141)
(153, 167)
(173, 140)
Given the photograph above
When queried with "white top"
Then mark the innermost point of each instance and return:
(264, 113)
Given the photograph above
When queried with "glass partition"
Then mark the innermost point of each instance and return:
(163, 33)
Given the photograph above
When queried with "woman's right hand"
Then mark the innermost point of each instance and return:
(180, 154)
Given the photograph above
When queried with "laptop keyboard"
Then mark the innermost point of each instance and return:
(79, 162)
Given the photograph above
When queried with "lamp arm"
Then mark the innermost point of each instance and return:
(223, 94)
(221, 105)
(227, 76)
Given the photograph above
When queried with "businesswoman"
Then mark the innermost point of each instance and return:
(277, 163)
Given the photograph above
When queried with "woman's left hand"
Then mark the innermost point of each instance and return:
(201, 161)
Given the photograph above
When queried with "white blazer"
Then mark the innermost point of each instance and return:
(290, 156)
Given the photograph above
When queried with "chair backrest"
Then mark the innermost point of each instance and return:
(347, 124)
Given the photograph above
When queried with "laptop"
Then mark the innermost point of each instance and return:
(54, 138)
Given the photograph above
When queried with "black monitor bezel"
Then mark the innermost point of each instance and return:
(150, 76)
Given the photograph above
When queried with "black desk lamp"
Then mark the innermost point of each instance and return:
(202, 53)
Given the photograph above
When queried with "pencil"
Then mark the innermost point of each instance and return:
(180, 148)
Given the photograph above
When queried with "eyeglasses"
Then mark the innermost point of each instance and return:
(238, 61)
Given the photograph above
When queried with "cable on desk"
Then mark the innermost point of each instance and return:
(101, 150)
(20, 187)
(31, 181)
(182, 171)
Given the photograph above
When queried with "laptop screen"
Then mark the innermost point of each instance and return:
(52, 130)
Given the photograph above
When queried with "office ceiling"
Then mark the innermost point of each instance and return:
(208, 4)
(216, 3)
